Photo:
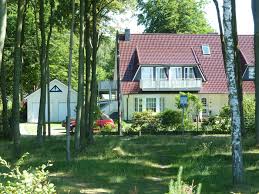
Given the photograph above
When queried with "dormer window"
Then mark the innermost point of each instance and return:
(205, 49)
(251, 72)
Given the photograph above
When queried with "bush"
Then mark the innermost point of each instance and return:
(25, 181)
(249, 113)
(170, 119)
(221, 122)
(145, 121)
(179, 187)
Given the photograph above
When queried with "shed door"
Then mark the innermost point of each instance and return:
(62, 110)
(35, 112)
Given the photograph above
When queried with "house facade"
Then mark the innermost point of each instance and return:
(154, 68)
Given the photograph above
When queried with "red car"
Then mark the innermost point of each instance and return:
(105, 120)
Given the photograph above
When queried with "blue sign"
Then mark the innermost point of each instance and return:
(183, 101)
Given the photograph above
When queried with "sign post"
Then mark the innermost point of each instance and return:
(183, 104)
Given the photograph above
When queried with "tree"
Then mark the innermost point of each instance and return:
(237, 159)
(255, 8)
(3, 22)
(16, 78)
(173, 16)
(80, 96)
(71, 43)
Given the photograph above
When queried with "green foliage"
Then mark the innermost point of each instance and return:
(25, 181)
(219, 122)
(249, 113)
(193, 108)
(145, 121)
(173, 16)
(170, 119)
(179, 187)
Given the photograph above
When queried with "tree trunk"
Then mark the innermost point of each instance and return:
(3, 21)
(80, 97)
(71, 44)
(84, 129)
(17, 78)
(51, 23)
(237, 160)
(255, 6)
(41, 118)
(93, 99)
(238, 66)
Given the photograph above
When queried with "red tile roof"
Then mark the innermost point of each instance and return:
(175, 49)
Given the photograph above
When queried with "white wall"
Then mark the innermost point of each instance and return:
(58, 104)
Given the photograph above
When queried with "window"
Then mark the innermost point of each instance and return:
(251, 72)
(162, 104)
(138, 105)
(55, 89)
(161, 73)
(189, 73)
(205, 49)
(151, 104)
(147, 73)
(176, 73)
(204, 102)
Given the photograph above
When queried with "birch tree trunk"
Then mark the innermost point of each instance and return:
(17, 78)
(71, 44)
(237, 159)
(255, 8)
(80, 97)
(3, 21)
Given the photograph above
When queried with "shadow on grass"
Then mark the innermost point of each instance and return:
(143, 164)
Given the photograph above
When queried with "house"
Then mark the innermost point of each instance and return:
(154, 68)
(58, 103)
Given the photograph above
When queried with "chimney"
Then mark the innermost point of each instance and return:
(127, 34)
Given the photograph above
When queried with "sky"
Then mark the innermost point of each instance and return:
(244, 18)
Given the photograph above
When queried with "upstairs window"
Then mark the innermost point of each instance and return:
(205, 49)
(189, 73)
(147, 73)
(161, 73)
(251, 72)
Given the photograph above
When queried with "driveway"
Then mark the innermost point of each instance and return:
(31, 129)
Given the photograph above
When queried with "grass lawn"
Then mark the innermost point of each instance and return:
(144, 164)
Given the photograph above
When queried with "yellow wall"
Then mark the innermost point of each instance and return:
(215, 102)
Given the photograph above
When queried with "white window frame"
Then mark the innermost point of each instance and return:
(153, 104)
(147, 73)
(189, 71)
(159, 72)
(138, 104)
(176, 73)
(205, 49)
(204, 102)
(251, 72)
(161, 104)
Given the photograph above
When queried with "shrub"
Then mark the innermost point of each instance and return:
(25, 181)
(145, 121)
(179, 187)
(249, 113)
(219, 122)
(170, 119)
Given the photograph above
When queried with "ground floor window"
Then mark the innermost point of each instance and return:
(138, 105)
(162, 104)
(151, 104)
(205, 105)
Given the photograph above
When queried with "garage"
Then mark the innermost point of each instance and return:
(58, 103)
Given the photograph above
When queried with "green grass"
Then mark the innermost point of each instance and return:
(144, 164)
